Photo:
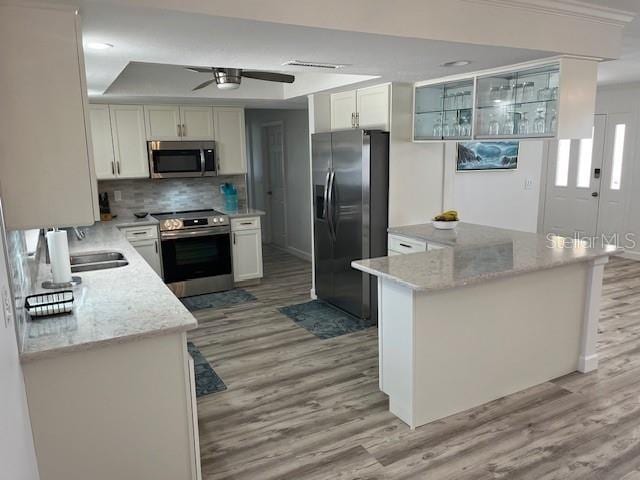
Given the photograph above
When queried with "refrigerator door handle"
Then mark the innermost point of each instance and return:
(325, 206)
(330, 204)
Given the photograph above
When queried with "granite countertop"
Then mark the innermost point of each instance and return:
(111, 306)
(477, 254)
(241, 212)
(465, 234)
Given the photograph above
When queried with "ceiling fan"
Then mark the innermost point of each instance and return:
(229, 78)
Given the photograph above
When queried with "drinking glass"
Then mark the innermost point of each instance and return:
(523, 124)
(539, 123)
(528, 94)
(494, 126)
(553, 124)
(508, 126)
(437, 128)
(465, 127)
(446, 129)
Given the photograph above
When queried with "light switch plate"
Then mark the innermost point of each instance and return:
(117, 195)
(528, 184)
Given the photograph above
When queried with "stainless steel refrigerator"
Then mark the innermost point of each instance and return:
(350, 203)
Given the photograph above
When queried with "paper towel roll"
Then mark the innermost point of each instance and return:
(58, 245)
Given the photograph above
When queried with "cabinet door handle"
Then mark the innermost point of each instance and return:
(118, 165)
(405, 245)
(234, 238)
(246, 223)
(113, 168)
(184, 130)
(357, 119)
(179, 131)
(353, 119)
(156, 245)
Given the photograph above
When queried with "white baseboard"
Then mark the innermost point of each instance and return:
(312, 294)
(587, 364)
(299, 253)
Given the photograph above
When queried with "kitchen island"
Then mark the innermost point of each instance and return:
(493, 312)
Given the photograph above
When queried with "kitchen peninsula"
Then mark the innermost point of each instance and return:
(493, 312)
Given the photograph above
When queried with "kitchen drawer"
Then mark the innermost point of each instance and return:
(406, 245)
(247, 223)
(140, 233)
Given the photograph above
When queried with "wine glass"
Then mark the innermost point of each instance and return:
(553, 124)
(523, 124)
(494, 126)
(539, 123)
(437, 128)
(508, 126)
(446, 129)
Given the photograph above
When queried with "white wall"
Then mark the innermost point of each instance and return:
(297, 173)
(497, 198)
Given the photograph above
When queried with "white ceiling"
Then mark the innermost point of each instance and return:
(150, 45)
(158, 40)
(627, 68)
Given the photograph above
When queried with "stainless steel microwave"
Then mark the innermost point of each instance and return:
(182, 159)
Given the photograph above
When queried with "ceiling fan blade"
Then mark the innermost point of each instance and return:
(200, 69)
(268, 76)
(204, 84)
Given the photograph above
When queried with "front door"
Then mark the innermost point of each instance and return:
(587, 183)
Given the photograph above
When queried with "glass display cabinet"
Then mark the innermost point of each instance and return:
(444, 111)
(518, 104)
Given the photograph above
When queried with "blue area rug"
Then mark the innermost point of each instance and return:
(217, 300)
(324, 320)
(207, 380)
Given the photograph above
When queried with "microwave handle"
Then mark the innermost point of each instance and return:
(202, 162)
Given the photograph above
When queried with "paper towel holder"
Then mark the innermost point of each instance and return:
(75, 280)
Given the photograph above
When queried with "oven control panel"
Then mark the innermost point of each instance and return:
(171, 224)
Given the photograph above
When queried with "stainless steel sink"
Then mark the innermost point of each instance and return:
(87, 262)
(87, 267)
(96, 257)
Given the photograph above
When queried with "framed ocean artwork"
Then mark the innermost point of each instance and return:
(487, 156)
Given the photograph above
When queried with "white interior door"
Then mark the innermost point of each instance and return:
(17, 453)
(574, 175)
(276, 196)
(588, 180)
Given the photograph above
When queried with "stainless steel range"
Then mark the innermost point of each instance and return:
(196, 251)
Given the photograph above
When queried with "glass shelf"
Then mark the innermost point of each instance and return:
(518, 104)
(441, 108)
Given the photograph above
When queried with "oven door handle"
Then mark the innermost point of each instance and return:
(202, 162)
(201, 232)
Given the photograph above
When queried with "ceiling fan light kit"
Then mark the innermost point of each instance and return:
(230, 78)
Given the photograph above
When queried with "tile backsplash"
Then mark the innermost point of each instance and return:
(171, 194)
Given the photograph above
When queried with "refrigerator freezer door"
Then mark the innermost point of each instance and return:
(323, 243)
(350, 155)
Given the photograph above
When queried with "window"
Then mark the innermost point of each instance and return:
(618, 154)
(584, 162)
(562, 165)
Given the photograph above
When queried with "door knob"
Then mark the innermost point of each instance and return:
(594, 194)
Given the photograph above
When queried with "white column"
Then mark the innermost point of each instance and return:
(588, 359)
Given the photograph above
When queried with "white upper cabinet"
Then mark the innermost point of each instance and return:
(163, 122)
(127, 128)
(46, 168)
(229, 128)
(362, 108)
(197, 123)
(373, 107)
(179, 122)
(103, 155)
(343, 110)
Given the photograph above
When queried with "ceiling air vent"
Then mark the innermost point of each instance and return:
(300, 63)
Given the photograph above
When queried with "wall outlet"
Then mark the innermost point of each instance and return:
(528, 184)
(117, 195)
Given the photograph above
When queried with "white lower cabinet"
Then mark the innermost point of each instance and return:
(145, 240)
(247, 248)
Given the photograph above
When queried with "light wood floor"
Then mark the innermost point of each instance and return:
(302, 408)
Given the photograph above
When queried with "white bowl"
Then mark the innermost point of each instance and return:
(445, 225)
